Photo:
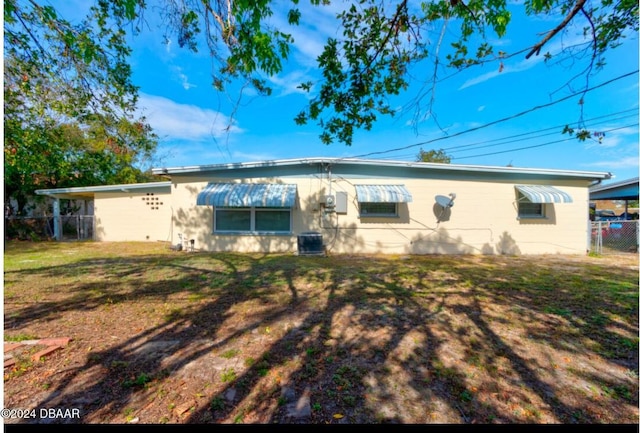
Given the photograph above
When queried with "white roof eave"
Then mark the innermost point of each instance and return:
(378, 163)
(101, 188)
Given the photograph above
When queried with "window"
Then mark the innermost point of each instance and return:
(233, 220)
(530, 210)
(252, 220)
(272, 220)
(372, 209)
(533, 199)
(381, 200)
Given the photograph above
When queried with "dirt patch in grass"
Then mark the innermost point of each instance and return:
(176, 337)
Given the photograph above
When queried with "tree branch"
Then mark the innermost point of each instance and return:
(393, 27)
(593, 57)
(226, 28)
(537, 47)
(593, 30)
(28, 30)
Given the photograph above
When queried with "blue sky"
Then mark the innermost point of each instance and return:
(190, 117)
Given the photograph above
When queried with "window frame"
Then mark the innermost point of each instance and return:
(366, 214)
(252, 220)
(523, 213)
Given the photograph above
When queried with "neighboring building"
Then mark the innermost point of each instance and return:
(132, 212)
(615, 196)
(352, 206)
(626, 190)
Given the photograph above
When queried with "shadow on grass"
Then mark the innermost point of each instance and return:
(355, 339)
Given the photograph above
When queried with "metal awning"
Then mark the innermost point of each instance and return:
(543, 194)
(622, 190)
(248, 195)
(383, 194)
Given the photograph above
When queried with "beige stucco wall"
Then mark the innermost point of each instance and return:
(483, 220)
(132, 216)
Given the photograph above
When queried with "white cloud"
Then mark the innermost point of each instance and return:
(289, 83)
(615, 138)
(183, 78)
(626, 162)
(309, 44)
(518, 67)
(555, 47)
(317, 23)
(184, 122)
(606, 142)
(186, 85)
(253, 157)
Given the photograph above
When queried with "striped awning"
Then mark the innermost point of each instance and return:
(543, 194)
(383, 194)
(248, 195)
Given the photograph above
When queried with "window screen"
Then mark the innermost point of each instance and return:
(530, 210)
(234, 220)
(378, 209)
(273, 220)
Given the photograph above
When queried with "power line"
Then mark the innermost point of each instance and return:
(538, 145)
(527, 138)
(530, 135)
(553, 129)
(504, 119)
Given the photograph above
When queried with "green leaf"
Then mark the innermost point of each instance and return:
(294, 16)
(130, 9)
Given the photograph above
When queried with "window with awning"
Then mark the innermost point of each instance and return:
(533, 198)
(383, 194)
(250, 208)
(542, 194)
(381, 200)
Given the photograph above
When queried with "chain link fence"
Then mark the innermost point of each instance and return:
(74, 227)
(614, 237)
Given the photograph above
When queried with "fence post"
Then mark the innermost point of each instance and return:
(81, 218)
(57, 229)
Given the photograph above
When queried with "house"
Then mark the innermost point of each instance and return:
(348, 205)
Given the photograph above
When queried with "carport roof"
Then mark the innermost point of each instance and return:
(89, 191)
(621, 190)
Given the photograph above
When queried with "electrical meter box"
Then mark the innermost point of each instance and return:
(341, 202)
(329, 201)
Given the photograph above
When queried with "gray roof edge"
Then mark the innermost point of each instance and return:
(103, 188)
(381, 163)
(604, 187)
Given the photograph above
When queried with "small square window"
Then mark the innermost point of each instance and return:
(528, 209)
(378, 209)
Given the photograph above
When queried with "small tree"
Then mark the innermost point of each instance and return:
(433, 156)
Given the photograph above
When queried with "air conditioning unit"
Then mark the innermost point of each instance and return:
(329, 201)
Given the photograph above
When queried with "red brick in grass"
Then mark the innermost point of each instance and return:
(8, 347)
(48, 351)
